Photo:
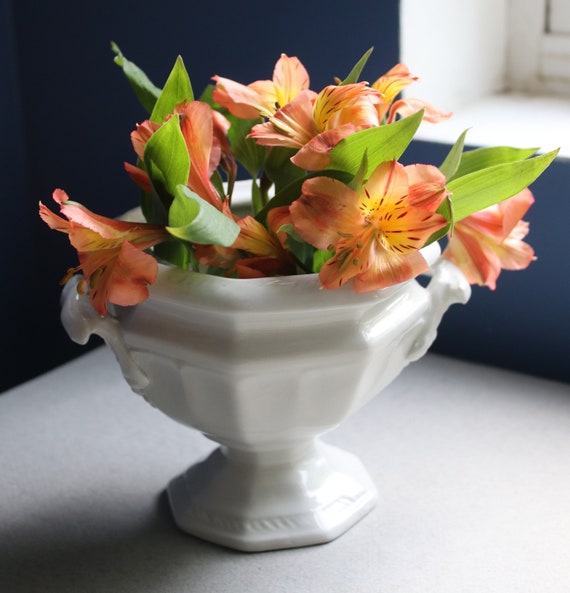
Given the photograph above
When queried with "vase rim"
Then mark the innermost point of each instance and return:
(302, 291)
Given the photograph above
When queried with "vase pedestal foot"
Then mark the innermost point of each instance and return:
(272, 500)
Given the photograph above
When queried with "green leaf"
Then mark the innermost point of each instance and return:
(354, 74)
(446, 210)
(483, 188)
(207, 96)
(177, 89)
(451, 163)
(320, 258)
(194, 220)
(245, 150)
(279, 168)
(257, 199)
(301, 250)
(481, 158)
(361, 174)
(166, 160)
(175, 252)
(218, 183)
(383, 143)
(146, 92)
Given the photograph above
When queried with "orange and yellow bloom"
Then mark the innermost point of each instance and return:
(390, 85)
(490, 240)
(375, 233)
(263, 97)
(111, 252)
(314, 124)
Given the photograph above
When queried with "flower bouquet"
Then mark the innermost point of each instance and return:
(328, 195)
(265, 329)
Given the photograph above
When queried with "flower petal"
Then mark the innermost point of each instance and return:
(240, 100)
(140, 136)
(426, 186)
(394, 81)
(291, 126)
(406, 107)
(490, 240)
(197, 126)
(475, 258)
(118, 276)
(315, 154)
(326, 210)
(54, 221)
(388, 268)
(139, 176)
(289, 78)
(388, 184)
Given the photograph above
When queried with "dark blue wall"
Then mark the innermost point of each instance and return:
(19, 279)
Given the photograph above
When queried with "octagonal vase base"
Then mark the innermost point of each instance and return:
(258, 501)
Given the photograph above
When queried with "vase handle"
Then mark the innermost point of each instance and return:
(447, 286)
(80, 320)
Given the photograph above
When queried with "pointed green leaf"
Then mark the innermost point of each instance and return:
(451, 163)
(354, 74)
(383, 143)
(167, 161)
(194, 220)
(483, 188)
(146, 92)
(177, 89)
(481, 158)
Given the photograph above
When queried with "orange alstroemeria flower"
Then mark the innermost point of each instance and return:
(205, 134)
(263, 97)
(390, 85)
(265, 250)
(314, 124)
(490, 240)
(141, 135)
(375, 233)
(111, 252)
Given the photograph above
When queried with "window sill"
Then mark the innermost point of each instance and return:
(508, 119)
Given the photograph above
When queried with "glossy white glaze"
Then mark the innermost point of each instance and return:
(264, 367)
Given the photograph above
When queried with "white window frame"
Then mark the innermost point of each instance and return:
(471, 61)
(538, 58)
(558, 13)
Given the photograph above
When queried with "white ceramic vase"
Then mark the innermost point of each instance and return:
(264, 367)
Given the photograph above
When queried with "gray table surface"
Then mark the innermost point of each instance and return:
(472, 465)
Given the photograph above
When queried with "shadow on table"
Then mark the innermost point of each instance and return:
(116, 556)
